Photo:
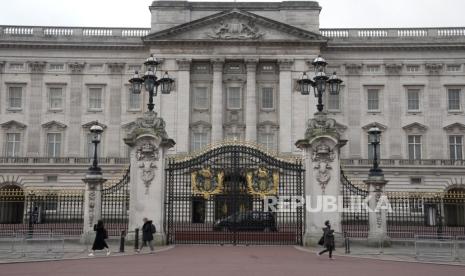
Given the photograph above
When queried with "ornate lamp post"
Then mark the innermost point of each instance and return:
(320, 82)
(374, 136)
(96, 132)
(151, 82)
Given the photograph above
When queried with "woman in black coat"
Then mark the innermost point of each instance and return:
(328, 240)
(100, 236)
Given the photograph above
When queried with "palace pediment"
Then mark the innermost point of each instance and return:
(235, 25)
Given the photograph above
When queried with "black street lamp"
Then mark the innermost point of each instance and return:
(320, 82)
(150, 81)
(374, 136)
(96, 132)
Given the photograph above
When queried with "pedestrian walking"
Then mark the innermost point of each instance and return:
(148, 229)
(327, 240)
(101, 235)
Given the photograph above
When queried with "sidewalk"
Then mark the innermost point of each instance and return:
(11, 252)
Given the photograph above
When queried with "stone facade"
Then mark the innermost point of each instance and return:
(235, 67)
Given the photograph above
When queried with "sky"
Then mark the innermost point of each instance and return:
(135, 13)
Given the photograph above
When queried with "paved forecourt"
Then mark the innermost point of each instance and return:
(228, 260)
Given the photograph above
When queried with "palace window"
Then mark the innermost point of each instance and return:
(95, 98)
(413, 100)
(456, 147)
(453, 68)
(268, 140)
(16, 66)
(371, 153)
(199, 140)
(201, 97)
(15, 94)
(234, 97)
(267, 98)
(55, 98)
(373, 100)
(134, 68)
(13, 144)
(53, 144)
(453, 95)
(134, 100)
(57, 67)
(413, 68)
(414, 147)
(90, 146)
(373, 68)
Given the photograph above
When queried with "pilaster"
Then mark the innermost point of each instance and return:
(285, 105)
(355, 93)
(113, 133)
(394, 106)
(75, 108)
(217, 101)
(434, 116)
(251, 101)
(34, 107)
(183, 105)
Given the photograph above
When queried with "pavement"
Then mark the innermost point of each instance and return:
(227, 260)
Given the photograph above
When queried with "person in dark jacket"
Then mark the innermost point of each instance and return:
(148, 229)
(100, 236)
(328, 240)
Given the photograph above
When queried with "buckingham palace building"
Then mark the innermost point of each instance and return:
(236, 68)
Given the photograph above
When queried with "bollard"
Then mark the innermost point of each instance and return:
(136, 239)
(121, 242)
(347, 243)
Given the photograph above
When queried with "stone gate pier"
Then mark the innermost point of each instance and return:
(148, 142)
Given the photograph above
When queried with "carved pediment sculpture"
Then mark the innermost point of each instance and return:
(149, 124)
(146, 155)
(235, 29)
(321, 125)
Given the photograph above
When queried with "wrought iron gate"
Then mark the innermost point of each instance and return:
(115, 205)
(219, 197)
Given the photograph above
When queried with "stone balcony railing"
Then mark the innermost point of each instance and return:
(63, 160)
(51, 32)
(54, 32)
(393, 33)
(405, 162)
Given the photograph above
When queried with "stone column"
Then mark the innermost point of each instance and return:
(285, 105)
(148, 144)
(75, 109)
(217, 101)
(113, 132)
(183, 105)
(92, 205)
(378, 206)
(321, 147)
(34, 108)
(251, 102)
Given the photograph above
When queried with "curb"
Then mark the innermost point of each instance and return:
(371, 257)
(165, 248)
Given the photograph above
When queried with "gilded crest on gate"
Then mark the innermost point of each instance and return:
(263, 182)
(206, 182)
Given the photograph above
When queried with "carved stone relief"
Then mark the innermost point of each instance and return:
(235, 29)
(146, 155)
(322, 158)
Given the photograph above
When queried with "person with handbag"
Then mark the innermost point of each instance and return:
(100, 236)
(327, 240)
(148, 229)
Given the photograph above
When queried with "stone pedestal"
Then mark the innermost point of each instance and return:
(149, 143)
(378, 206)
(92, 205)
(322, 176)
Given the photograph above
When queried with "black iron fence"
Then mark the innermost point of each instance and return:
(410, 213)
(42, 210)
